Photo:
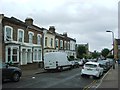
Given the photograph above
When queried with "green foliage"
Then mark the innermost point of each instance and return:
(81, 51)
(105, 52)
(95, 54)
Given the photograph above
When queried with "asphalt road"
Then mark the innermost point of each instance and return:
(64, 79)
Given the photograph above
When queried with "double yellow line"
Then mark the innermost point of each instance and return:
(90, 85)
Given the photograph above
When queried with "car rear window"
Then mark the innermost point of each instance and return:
(90, 65)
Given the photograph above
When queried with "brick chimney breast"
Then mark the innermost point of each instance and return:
(29, 21)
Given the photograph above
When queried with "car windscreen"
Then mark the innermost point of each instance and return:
(91, 65)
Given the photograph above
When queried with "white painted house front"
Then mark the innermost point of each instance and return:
(49, 42)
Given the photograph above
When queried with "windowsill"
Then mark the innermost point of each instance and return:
(37, 61)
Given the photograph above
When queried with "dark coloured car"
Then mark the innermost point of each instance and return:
(11, 73)
(111, 62)
(76, 64)
(104, 64)
(119, 61)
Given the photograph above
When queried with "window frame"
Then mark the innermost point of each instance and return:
(5, 36)
(46, 39)
(31, 42)
(39, 35)
(19, 35)
(56, 43)
(36, 55)
(51, 42)
(12, 54)
(61, 44)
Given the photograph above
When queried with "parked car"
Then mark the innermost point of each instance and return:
(81, 62)
(11, 73)
(104, 65)
(76, 64)
(108, 63)
(111, 62)
(119, 61)
(92, 69)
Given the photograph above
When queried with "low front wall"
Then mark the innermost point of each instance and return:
(31, 66)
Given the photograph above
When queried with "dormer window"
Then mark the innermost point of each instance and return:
(31, 34)
(20, 35)
(8, 33)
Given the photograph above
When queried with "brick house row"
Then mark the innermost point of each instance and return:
(24, 43)
(117, 49)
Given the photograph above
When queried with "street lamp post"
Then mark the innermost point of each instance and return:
(113, 47)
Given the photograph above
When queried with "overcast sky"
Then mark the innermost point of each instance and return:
(85, 20)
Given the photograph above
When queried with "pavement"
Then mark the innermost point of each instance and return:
(109, 80)
(26, 73)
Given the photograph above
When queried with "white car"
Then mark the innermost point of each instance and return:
(80, 62)
(92, 69)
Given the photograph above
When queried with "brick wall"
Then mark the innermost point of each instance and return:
(26, 30)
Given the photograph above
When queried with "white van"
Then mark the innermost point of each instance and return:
(56, 60)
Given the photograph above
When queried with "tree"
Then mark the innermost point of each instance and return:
(81, 51)
(95, 54)
(105, 52)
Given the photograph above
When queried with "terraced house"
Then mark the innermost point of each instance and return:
(59, 42)
(21, 41)
(24, 43)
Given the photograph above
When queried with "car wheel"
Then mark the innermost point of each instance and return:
(16, 77)
(82, 75)
(98, 77)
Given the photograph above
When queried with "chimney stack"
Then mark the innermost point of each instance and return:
(52, 29)
(65, 34)
(29, 21)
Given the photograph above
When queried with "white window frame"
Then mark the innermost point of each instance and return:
(51, 42)
(56, 42)
(37, 55)
(61, 44)
(29, 36)
(39, 43)
(68, 45)
(65, 45)
(6, 55)
(5, 32)
(46, 41)
(19, 34)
